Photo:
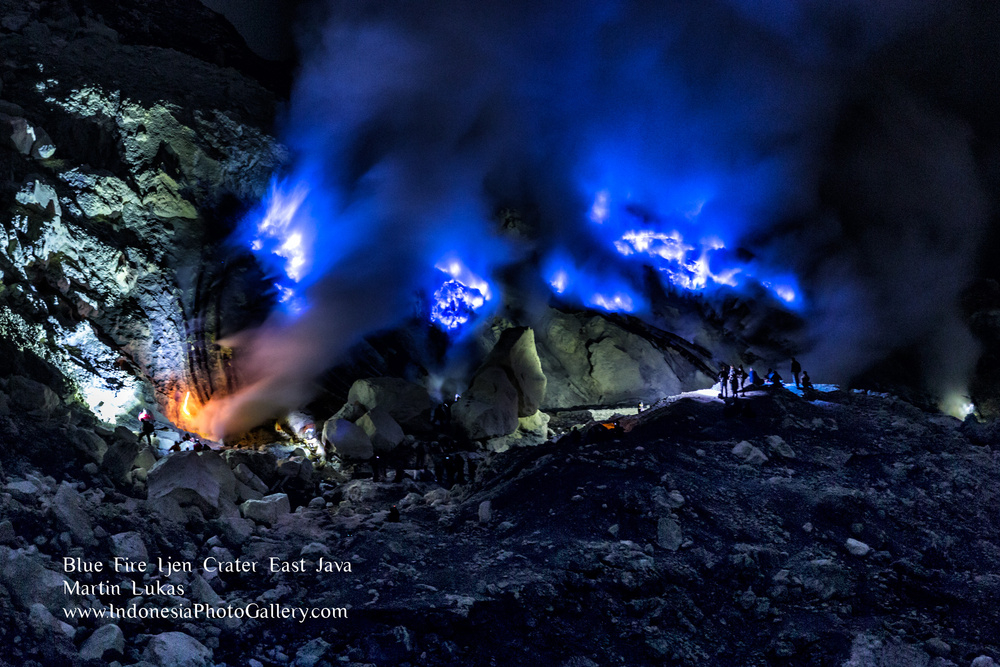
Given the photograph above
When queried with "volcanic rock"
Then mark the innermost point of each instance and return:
(246, 476)
(120, 456)
(780, 447)
(749, 453)
(402, 400)
(531, 431)
(67, 505)
(296, 467)
(310, 653)
(268, 509)
(349, 440)
(7, 534)
(129, 545)
(17, 133)
(383, 431)
(516, 355)
(590, 360)
(146, 458)
(33, 397)
(44, 624)
(200, 478)
(485, 512)
(489, 408)
(89, 443)
(856, 547)
(29, 581)
(104, 639)
(176, 649)
(668, 533)
(262, 464)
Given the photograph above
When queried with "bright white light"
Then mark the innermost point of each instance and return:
(785, 293)
(454, 304)
(601, 208)
(285, 294)
(559, 281)
(458, 271)
(277, 224)
(615, 303)
(670, 247)
(957, 404)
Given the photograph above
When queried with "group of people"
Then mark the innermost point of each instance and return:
(187, 442)
(733, 380)
(443, 461)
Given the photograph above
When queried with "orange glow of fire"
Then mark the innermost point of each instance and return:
(188, 415)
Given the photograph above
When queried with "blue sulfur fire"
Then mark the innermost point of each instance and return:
(455, 304)
(282, 238)
(458, 299)
(649, 238)
(593, 286)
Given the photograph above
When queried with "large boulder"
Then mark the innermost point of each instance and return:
(383, 431)
(516, 355)
(118, 460)
(268, 509)
(348, 440)
(68, 508)
(590, 360)
(262, 464)
(403, 400)
(32, 397)
(23, 573)
(489, 408)
(104, 639)
(507, 386)
(194, 478)
(176, 649)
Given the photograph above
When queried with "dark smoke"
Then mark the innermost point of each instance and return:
(798, 126)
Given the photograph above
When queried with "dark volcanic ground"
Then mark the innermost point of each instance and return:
(868, 536)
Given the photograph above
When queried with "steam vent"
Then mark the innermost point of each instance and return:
(605, 333)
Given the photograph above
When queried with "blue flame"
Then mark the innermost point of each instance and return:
(455, 304)
(591, 286)
(458, 299)
(684, 245)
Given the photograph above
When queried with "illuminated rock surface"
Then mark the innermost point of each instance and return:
(114, 145)
(549, 544)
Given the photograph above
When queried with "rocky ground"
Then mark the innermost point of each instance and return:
(850, 529)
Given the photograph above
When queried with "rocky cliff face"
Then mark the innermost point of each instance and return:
(115, 152)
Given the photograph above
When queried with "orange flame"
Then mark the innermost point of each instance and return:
(184, 408)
